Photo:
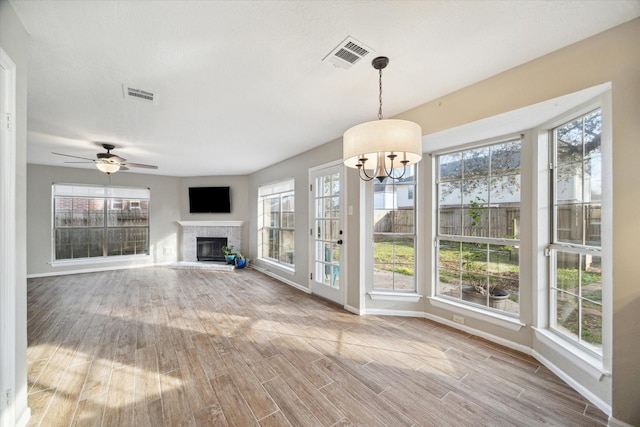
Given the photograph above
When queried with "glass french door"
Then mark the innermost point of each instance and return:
(327, 233)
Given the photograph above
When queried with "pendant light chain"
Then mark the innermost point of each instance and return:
(380, 95)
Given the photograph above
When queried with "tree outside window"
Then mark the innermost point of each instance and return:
(576, 263)
(478, 226)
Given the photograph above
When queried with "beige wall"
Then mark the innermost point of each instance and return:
(239, 193)
(164, 212)
(15, 42)
(612, 56)
(169, 204)
(298, 168)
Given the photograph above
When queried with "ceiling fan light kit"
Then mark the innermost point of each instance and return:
(384, 144)
(108, 162)
(107, 167)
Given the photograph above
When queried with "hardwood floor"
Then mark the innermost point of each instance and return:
(155, 346)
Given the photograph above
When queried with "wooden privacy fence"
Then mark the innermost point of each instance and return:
(494, 222)
(401, 221)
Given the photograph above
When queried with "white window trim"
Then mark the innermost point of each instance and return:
(276, 187)
(552, 350)
(483, 314)
(276, 264)
(525, 207)
(604, 361)
(97, 260)
(553, 339)
(409, 296)
(101, 191)
(385, 294)
(585, 361)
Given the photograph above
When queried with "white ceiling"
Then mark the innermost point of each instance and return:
(241, 84)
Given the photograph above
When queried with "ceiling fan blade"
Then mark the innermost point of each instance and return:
(69, 155)
(80, 162)
(138, 165)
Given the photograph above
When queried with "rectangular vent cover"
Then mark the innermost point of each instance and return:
(347, 53)
(139, 94)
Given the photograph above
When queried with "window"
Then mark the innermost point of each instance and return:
(394, 232)
(478, 215)
(276, 222)
(576, 273)
(94, 221)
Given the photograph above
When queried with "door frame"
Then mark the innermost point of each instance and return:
(344, 249)
(8, 269)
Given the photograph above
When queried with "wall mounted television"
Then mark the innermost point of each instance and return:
(209, 200)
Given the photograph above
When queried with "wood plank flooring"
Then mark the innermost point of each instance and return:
(162, 347)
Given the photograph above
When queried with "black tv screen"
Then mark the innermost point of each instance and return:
(209, 200)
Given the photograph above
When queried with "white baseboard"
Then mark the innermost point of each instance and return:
(585, 392)
(490, 337)
(617, 423)
(386, 312)
(447, 322)
(352, 309)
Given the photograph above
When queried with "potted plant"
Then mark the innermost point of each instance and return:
(479, 287)
(229, 255)
(478, 294)
(240, 260)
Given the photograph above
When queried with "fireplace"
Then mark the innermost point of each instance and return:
(191, 230)
(210, 248)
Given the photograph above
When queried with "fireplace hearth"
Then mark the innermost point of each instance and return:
(210, 248)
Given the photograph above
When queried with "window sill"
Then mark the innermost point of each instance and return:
(284, 267)
(97, 260)
(395, 296)
(498, 319)
(588, 363)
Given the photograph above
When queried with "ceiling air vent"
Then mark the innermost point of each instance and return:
(139, 94)
(347, 53)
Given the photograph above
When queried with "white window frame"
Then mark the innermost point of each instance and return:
(279, 189)
(600, 359)
(548, 343)
(502, 318)
(378, 291)
(108, 194)
(535, 120)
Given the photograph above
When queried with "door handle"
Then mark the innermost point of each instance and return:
(339, 242)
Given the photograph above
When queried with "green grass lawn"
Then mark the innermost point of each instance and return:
(473, 261)
(401, 254)
(474, 258)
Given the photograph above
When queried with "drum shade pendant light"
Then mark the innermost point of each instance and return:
(383, 144)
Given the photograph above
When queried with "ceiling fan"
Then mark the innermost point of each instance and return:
(108, 162)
